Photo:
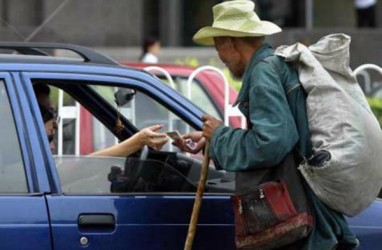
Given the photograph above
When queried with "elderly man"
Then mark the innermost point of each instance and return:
(273, 102)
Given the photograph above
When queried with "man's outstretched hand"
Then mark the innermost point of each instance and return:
(192, 142)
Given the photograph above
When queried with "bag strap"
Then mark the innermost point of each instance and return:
(270, 59)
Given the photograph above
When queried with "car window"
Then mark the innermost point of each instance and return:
(102, 137)
(143, 111)
(159, 171)
(12, 172)
(108, 175)
(73, 120)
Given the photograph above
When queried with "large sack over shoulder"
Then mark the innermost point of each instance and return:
(340, 122)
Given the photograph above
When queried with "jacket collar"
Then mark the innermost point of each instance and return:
(264, 51)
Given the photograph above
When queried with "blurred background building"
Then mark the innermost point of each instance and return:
(118, 27)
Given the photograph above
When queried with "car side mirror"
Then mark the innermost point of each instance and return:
(124, 96)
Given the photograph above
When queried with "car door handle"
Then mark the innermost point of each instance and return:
(96, 220)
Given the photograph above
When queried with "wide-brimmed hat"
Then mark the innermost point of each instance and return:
(235, 19)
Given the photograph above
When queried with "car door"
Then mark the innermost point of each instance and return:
(24, 221)
(89, 210)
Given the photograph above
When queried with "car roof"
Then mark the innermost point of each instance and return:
(32, 56)
(38, 52)
(16, 58)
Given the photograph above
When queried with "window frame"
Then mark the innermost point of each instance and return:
(148, 85)
(25, 130)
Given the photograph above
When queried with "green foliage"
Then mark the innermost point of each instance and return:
(188, 61)
(376, 107)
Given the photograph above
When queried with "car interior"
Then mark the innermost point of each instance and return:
(147, 171)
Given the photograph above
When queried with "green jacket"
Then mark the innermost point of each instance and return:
(273, 101)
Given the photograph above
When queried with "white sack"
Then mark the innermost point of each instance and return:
(341, 122)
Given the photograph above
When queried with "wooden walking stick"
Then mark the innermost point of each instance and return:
(198, 199)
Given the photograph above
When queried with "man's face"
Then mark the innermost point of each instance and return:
(229, 55)
(45, 101)
(50, 131)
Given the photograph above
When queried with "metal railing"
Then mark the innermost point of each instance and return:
(229, 111)
(362, 71)
(68, 112)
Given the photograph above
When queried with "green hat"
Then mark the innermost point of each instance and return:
(235, 19)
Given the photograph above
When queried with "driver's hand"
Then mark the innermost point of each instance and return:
(192, 142)
(155, 140)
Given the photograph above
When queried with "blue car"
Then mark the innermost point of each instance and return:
(72, 201)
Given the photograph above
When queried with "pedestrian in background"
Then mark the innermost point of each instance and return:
(150, 50)
(366, 13)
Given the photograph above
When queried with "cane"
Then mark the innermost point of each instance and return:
(198, 199)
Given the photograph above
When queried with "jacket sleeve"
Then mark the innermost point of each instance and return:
(273, 133)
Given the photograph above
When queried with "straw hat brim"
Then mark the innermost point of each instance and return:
(205, 35)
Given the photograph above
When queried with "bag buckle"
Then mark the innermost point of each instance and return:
(240, 208)
(262, 195)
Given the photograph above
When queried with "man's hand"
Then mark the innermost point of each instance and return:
(196, 139)
(210, 123)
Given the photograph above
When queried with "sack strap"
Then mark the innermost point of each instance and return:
(270, 59)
